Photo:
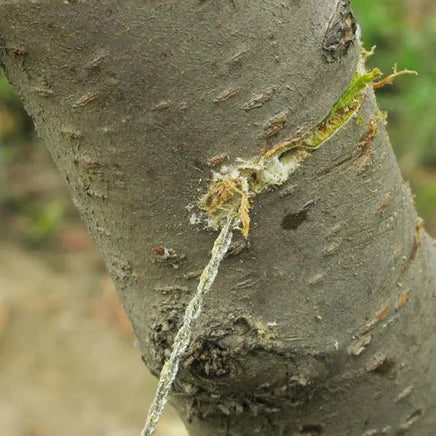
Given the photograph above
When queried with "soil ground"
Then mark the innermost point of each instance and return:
(68, 364)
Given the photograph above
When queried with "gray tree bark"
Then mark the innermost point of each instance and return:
(324, 322)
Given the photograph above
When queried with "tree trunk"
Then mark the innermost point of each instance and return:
(324, 322)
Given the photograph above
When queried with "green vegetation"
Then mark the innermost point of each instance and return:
(405, 35)
(404, 32)
(33, 215)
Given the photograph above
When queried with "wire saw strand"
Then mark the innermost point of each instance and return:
(183, 336)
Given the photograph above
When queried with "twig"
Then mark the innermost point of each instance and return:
(389, 80)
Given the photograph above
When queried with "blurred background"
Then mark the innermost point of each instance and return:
(67, 361)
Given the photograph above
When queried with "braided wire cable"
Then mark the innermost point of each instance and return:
(183, 336)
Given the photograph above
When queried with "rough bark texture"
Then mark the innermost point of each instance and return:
(325, 323)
